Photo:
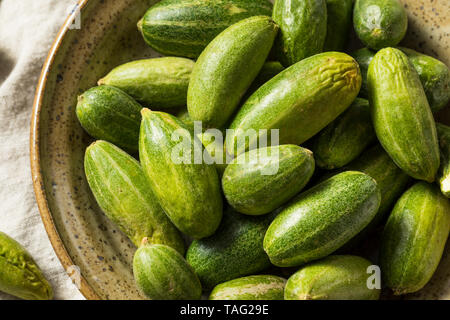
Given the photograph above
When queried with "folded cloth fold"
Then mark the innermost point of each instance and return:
(27, 31)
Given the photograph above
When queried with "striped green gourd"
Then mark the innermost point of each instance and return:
(345, 138)
(322, 219)
(159, 83)
(414, 238)
(188, 190)
(307, 95)
(234, 251)
(20, 276)
(108, 113)
(261, 180)
(226, 69)
(118, 183)
(303, 29)
(444, 170)
(258, 287)
(185, 27)
(401, 114)
(333, 278)
(162, 273)
(339, 21)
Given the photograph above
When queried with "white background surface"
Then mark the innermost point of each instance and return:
(27, 30)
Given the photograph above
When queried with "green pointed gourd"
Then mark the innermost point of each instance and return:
(20, 276)
(337, 277)
(261, 180)
(401, 114)
(187, 188)
(259, 287)
(158, 83)
(322, 219)
(226, 69)
(108, 113)
(162, 273)
(118, 183)
(414, 238)
(185, 27)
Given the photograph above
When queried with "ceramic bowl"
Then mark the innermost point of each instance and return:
(80, 233)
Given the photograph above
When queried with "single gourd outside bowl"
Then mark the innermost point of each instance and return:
(80, 233)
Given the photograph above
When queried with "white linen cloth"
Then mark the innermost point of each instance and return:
(27, 30)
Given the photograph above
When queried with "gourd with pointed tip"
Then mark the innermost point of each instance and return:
(188, 190)
(120, 188)
(19, 274)
(401, 114)
(414, 238)
(333, 278)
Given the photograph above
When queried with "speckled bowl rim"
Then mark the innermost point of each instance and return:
(36, 170)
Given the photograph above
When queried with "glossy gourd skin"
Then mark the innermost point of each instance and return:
(261, 180)
(258, 287)
(159, 83)
(185, 27)
(226, 69)
(401, 114)
(123, 193)
(337, 277)
(162, 273)
(414, 238)
(300, 101)
(322, 219)
(189, 192)
(380, 23)
(303, 28)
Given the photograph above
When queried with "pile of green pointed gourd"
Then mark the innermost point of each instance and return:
(364, 119)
